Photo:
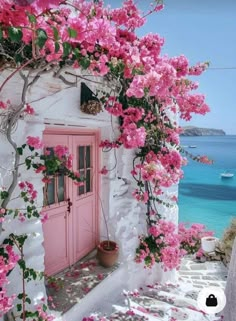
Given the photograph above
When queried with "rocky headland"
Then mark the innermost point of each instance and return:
(197, 131)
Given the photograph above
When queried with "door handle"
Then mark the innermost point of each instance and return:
(69, 204)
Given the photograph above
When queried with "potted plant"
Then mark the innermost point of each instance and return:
(107, 250)
(107, 253)
(209, 243)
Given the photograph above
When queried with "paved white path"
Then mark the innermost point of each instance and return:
(172, 302)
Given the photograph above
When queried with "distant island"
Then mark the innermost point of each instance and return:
(197, 131)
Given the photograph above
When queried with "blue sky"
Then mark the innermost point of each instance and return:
(202, 30)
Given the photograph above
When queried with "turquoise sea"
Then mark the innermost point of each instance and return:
(204, 196)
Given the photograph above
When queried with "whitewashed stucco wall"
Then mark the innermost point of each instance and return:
(57, 104)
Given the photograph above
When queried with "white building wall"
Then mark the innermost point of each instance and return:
(57, 104)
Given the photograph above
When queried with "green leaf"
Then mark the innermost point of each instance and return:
(21, 240)
(55, 33)
(18, 58)
(57, 47)
(85, 62)
(32, 18)
(28, 163)
(20, 296)
(15, 34)
(29, 314)
(29, 209)
(31, 148)
(8, 241)
(72, 33)
(21, 263)
(76, 53)
(28, 300)
(19, 307)
(1, 34)
(35, 214)
(4, 194)
(34, 275)
(41, 37)
(66, 49)
(20, 150)
(26, 274)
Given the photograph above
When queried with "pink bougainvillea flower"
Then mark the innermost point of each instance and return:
(46, 180)
(44, 217)
(132, 136)
(61, 151)
(6, 265)
(21, 217)
(142, 309)
(44, 315)
(29, 110)
(104, 171)
(2, 210)
(159, 7)
(100, 276)
(130, 312)
(3, 105)
(22, 185)
(198, 69)
(34, 142)
(107, 144)
(205, 160)
(69, 161)
(174, 198)
(79, 183)
(41, 168)
(141, 196)
(47, 152)
(113, 106)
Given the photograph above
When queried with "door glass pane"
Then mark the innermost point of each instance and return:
(88, 156)
(61, 182)
(81, 157)
(81, 189)
(88, 181)
(85, 169)
(50, 198)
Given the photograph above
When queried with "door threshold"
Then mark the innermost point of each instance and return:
(68, 287)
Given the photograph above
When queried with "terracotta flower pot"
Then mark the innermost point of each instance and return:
(107, 253)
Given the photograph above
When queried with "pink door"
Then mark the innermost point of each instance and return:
(84, 197)
(71, 234)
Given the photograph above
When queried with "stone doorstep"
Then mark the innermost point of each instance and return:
(100, 298)
(75, 282)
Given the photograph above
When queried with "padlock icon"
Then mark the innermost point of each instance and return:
(211, 301)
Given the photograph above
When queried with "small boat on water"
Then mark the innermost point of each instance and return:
(227, 175)
(192, 146)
